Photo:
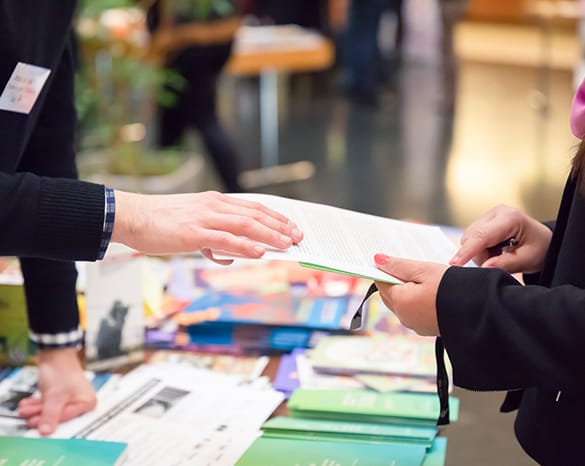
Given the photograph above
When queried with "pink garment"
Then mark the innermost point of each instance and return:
(578, 112)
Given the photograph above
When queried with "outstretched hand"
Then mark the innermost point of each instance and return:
(414, 301)
(207, 222)
(65, 391)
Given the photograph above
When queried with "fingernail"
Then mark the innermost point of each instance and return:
(455, 260)
(297, 233)
(258, 250)
(381, 259)
(285, 239)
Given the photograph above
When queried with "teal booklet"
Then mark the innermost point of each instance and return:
(18, 451)
(437, 453)
(315, 429)
(271, 451)
(408, 409)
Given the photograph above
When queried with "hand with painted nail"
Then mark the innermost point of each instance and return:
(414, 301)
(208, 221)
(494, 227)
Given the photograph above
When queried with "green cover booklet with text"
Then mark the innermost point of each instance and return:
(316, 429)
(407, 409)
(273, 451)
(25, 451)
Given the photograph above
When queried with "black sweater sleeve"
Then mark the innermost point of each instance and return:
(506, 336)
(46, 217)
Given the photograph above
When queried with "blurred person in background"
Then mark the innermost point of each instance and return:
(366, 68)
(451, 11)
(194, 38)
(49, 218)
(309, 14)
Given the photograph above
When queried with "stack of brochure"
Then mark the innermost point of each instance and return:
(347, 427)
(267, 451)
(351, 431)
(402, 409)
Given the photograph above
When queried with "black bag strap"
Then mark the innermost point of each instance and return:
(442, 383)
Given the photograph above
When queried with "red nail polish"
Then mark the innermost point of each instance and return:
(381, 259)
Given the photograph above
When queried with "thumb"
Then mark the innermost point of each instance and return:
(508, 262)
(404, 269)
(53, 405)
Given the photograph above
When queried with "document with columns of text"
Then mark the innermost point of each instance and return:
(345, 241)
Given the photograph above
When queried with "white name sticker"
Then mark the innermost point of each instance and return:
(23, 88)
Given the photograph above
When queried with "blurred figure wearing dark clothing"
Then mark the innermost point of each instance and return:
(363, 59)
(199, 64)
(306, 13)
(195, 107)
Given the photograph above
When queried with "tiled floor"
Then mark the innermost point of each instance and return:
(506, 140)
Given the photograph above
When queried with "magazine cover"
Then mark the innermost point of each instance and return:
(114, 310)
(267, 292)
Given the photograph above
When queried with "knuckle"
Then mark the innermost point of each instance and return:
(257, 215)
(246, 223)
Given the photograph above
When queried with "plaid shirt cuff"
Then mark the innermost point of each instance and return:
(57, 340)
(109, 214)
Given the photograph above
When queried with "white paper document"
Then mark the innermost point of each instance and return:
(177, 415)
(346, 241)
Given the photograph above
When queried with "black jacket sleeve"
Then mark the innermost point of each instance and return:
(505, 336)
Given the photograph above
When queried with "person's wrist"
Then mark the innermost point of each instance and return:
(64, 356)
(127, 217)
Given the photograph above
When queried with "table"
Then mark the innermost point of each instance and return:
(266, 51)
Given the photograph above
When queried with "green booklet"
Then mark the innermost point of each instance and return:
(367, 406)
(315, 429)
(436, 454)
(19, 451)
(282, 452)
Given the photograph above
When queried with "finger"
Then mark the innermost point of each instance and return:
(33, 421)
(476, 242)
(29, 409)
(222, 241)
(236, 201)
(53, 405)
(404, 269)
(478, 224)
(506, 261)
(28, 401)
(209, 254)
(249, 228)
(386, 291)
(264, 215)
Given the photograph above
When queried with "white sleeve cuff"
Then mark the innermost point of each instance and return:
(57, 340)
